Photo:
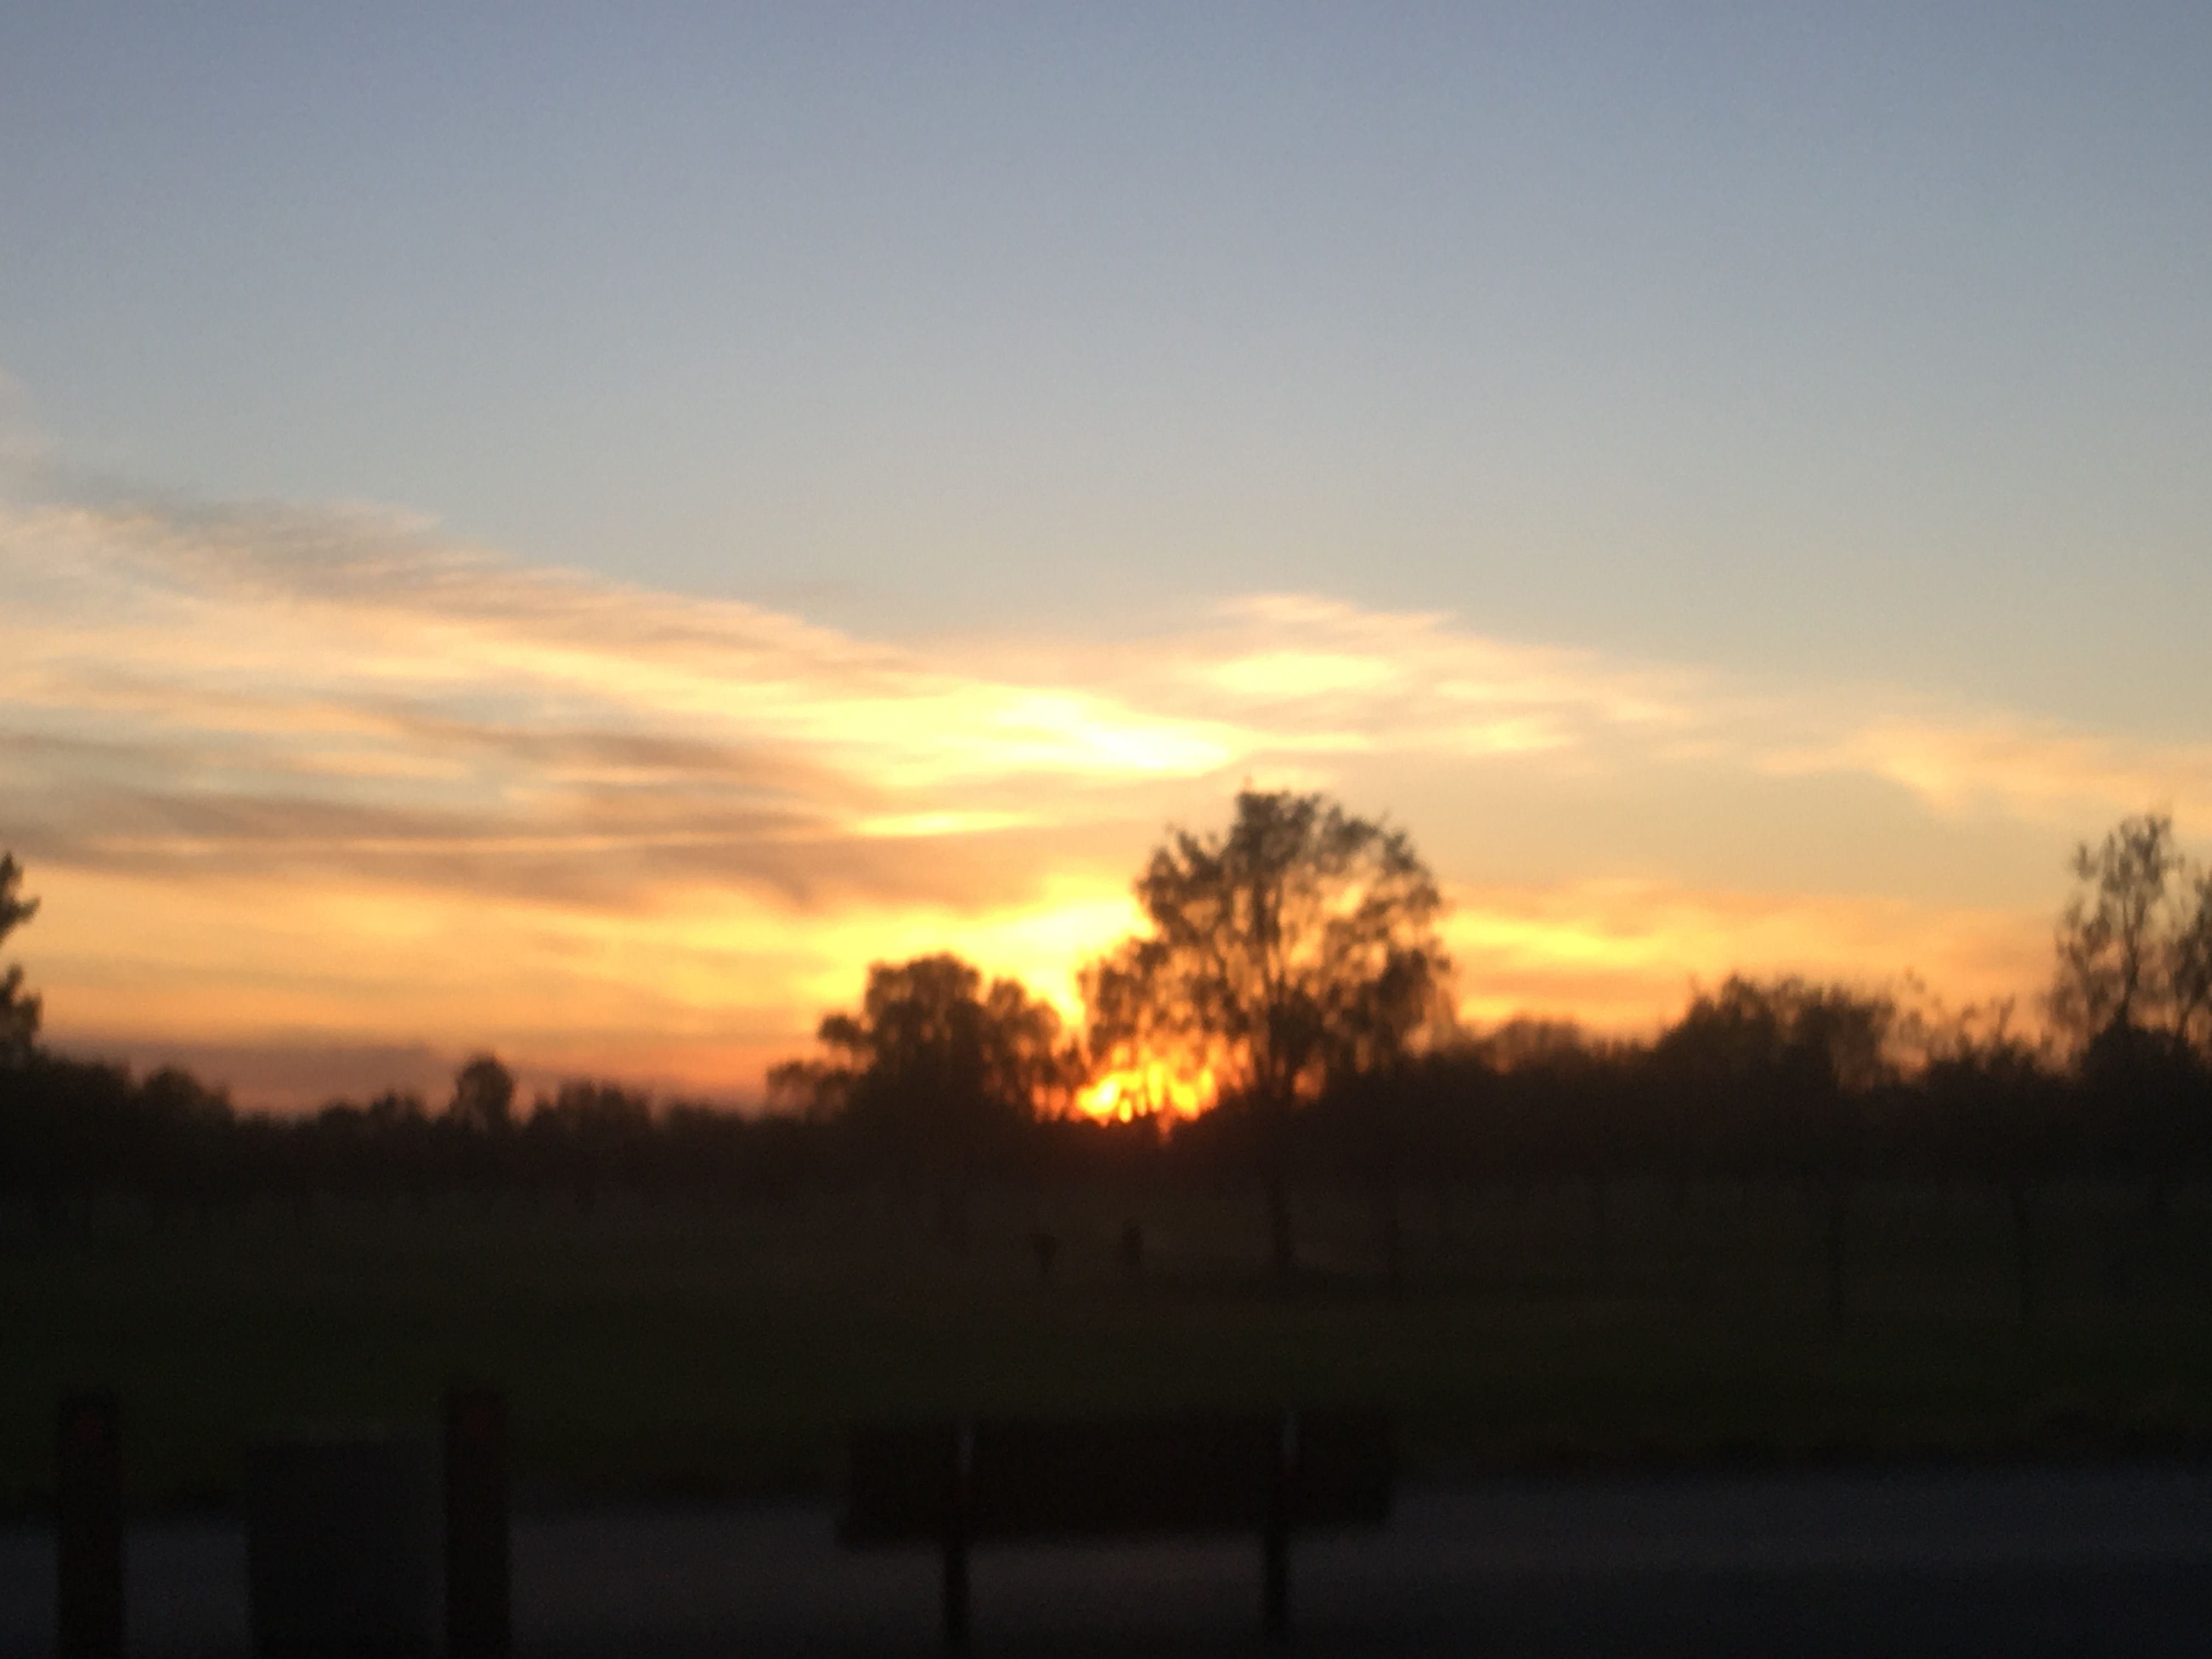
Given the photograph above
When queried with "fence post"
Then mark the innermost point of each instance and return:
(1275, 1539)
(479, 1570)
(88, 1528)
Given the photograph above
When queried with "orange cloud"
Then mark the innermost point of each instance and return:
(1625, 955)
(289, 778)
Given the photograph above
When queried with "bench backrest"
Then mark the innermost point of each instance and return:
(1010, 1477)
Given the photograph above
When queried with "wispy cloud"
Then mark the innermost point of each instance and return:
(2029, 768)
(318, 775)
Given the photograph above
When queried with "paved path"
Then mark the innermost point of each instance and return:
(2083, 1561)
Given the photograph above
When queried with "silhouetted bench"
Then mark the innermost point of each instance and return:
(956, 1484)
(334, 1555)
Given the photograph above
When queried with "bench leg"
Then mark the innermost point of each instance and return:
(1275, 1581)
(956, 1593)
(957, 1498)
(478, 1573)
(1275, 1536)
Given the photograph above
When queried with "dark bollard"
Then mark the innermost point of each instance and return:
(1275, 1538)
(956, 1505)
(340, 1551)
(88, 1529)
(478, 1573)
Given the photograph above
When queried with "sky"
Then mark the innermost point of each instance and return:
(572, 530)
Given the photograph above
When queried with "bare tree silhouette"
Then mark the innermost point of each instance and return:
(2118, 938)
(19, 1010)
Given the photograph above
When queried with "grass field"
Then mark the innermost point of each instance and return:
(661, 1350)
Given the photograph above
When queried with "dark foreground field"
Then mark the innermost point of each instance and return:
(656, 1353)
(2051, 1561)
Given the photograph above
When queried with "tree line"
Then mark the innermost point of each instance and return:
(1293, 963)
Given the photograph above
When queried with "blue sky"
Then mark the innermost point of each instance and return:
(1852, 360)
(1873, 333)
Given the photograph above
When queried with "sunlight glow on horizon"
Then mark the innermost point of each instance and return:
(576, 539)
(1153, 1087)
(288, 780)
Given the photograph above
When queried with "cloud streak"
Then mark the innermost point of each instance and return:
(649, 827)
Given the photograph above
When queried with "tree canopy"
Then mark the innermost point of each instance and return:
(935, 1074)
(1298, 946)
(1300, 942)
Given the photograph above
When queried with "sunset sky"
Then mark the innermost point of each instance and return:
(572, 530)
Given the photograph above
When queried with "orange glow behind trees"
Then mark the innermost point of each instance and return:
(1146, 1084)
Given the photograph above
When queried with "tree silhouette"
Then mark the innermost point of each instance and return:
(935, 1074)
(1299, 945)
(477, 1138)
(592, 1135)
(1788, 1069)
(19, 1011)
(484, 1097)
(2189, 966)
(2115, 940)
(1989, 1110)
(2132, 991)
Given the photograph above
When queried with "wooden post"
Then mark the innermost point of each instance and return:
(1275, 1539)
(957, 1497)
(88, 1529)
(477, 1571)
